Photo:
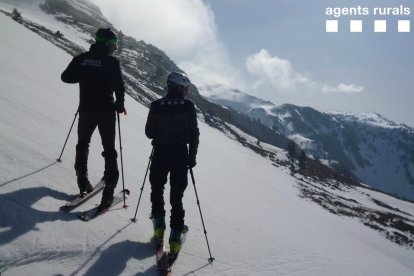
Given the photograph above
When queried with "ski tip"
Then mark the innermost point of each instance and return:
(84, 218)
(66, 207)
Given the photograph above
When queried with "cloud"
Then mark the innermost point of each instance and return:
(211, 65)
(184, 29)
(187, 32)
(280, 74)
(343, 88)
(174, 25)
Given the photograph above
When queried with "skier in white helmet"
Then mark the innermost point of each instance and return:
(172, 125)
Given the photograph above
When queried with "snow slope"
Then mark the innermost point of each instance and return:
(257, 224)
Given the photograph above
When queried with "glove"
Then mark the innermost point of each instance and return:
(191, 162)
(120, 108)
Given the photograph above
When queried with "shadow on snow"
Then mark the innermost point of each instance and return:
(27, 175)
(114, 259)
(17, 213)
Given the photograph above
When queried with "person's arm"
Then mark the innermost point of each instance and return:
(71, 73)
(150, 125)
(119, 89)
(194, 137)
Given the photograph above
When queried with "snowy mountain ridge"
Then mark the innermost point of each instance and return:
(243, 195)
(374, 119)
(246, 103)
(376, 150)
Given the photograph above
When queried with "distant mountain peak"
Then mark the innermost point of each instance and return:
(365, 117)
(357, 143)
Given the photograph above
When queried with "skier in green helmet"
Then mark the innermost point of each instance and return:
(99, 76)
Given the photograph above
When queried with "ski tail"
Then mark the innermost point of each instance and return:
(99, 210)
(172, 257)
(80, 200)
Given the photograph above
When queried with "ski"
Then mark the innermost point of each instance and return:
(81, 199)
(172, 258)
(163, 266)
(161, 256)
(159, 250)
(98, 210)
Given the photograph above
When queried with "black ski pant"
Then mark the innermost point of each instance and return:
(105, 121)
(172, 161)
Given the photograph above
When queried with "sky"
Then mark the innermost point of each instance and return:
(280, 50)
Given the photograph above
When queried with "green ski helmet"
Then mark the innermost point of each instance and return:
(106, 36)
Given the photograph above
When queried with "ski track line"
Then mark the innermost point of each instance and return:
(34, 245)
(85, 240)
(273, 264)
(96, 250)
(36, 257)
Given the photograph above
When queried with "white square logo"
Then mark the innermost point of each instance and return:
(355, 26)
(380, 26)
(403, 26)
(331, 26)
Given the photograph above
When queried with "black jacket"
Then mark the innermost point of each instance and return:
(172, 122)
(98, 75)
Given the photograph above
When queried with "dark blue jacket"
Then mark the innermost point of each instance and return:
(99, 75)
(172, 122)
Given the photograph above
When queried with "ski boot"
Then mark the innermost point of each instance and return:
(84, 185)
(176, 240)
(107, 197)
(159, 229)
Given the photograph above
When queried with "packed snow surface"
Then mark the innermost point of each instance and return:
(256, 223)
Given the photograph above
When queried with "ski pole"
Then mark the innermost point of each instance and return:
(211, 259)
(122, 162)
(142, 187)
(67, 137)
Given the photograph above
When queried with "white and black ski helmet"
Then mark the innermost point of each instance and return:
(177, 78)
